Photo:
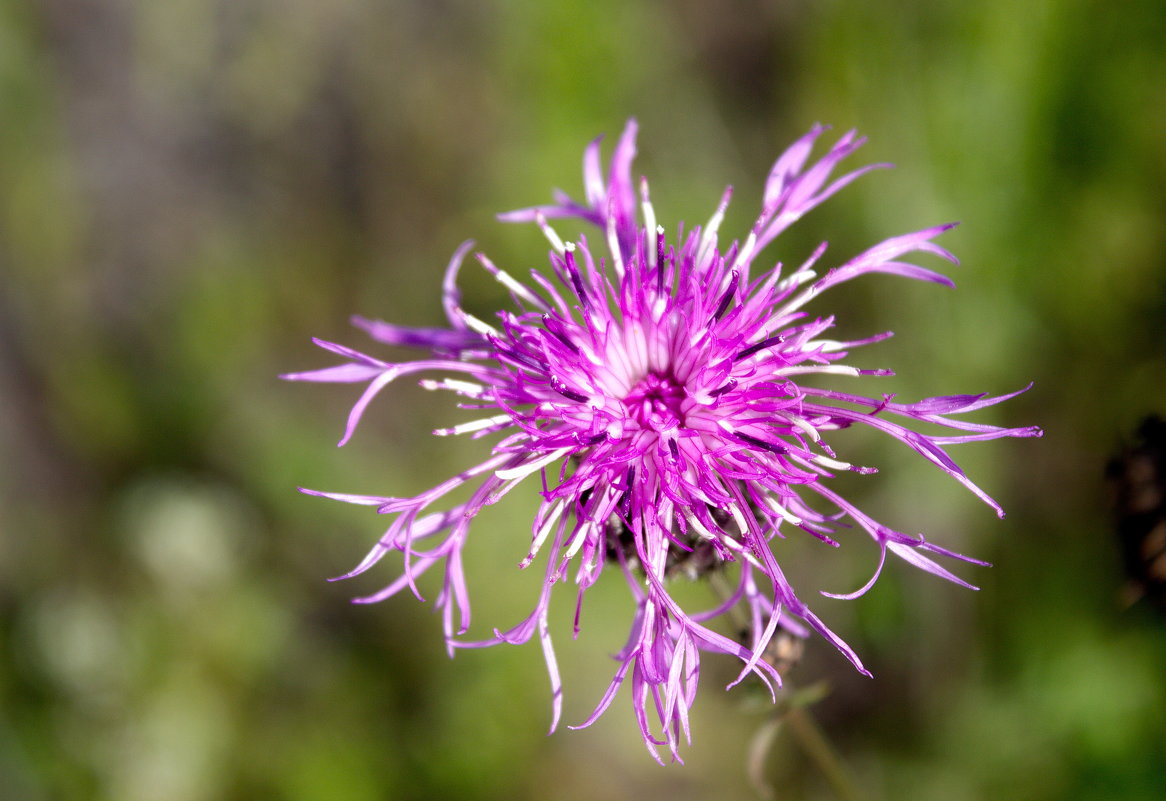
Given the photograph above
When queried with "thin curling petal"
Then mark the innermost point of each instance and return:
(594, 189)
(340, 374)
(789, 165)
(434, 339)
(609, 203)
(621, 195)
(450, 294)
(655, 390)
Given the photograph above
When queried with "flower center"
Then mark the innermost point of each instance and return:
(656, 401)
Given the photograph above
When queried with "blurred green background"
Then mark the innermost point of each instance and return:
(191, 189)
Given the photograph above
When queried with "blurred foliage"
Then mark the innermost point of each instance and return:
(191, 189)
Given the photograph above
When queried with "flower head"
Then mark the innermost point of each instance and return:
(654, 384)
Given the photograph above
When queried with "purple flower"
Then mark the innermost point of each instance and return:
(656, 393)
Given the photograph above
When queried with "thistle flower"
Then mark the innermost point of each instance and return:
(656, 393)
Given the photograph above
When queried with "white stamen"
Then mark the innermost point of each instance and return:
(723, 538)
(649, 223)
(785, 514)
(659, 306)
(804, 426)
(550, 234)
(703, 532)
(473, 425)
(508, 281)
(613, 246)
(795, 279)
(827, 369)
(462, 387)
(739, 518)
(480, 326)
(825, 345)
(833, 464)
(544, 530)
(801, 300)
(527, 468)
(578, 540)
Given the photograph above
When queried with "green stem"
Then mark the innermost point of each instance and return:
(813, 741)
